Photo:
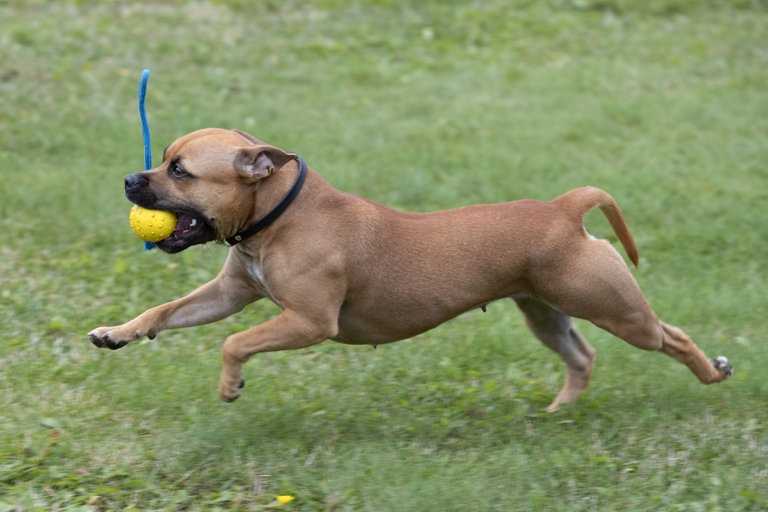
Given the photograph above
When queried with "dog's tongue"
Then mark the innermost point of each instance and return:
(186, 223)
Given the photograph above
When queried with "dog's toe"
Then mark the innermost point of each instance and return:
(100, 338)
(114, 346)
(230, 398)
(96, 339)
(722, 365)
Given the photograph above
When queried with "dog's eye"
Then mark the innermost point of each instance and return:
(176, 171)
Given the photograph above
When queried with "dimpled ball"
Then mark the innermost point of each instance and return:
(152, 225)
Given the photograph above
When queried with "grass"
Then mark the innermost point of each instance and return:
(420, 105)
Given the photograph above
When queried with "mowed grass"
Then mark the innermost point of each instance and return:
(419, 105)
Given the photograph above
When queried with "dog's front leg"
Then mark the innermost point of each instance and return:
(287, 331)
(213, 301)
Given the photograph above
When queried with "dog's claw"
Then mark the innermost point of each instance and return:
(722, 365)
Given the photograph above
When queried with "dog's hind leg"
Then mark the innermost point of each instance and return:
(593, 283)
(557, 332)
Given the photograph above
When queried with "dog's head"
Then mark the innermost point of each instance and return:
(208, 178)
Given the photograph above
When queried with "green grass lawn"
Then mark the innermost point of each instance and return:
(419, 105)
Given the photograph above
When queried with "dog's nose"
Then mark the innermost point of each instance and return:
(135, 181)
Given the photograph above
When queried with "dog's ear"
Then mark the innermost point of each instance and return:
(248, 137)
(257, 162)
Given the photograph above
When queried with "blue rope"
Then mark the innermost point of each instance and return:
(145, 133)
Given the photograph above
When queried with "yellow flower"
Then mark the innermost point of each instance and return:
(285, 499)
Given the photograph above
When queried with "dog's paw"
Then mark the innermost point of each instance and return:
(231, 396)
(111, 337)
(722, 365)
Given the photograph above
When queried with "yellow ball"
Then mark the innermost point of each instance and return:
(152, 225)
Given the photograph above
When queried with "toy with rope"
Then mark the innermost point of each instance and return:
(149, 225)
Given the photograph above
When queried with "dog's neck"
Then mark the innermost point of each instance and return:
(261, 218)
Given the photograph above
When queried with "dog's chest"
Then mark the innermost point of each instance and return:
(254, 269)
(257, 276)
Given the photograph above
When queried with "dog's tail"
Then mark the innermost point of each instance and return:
(583, 199)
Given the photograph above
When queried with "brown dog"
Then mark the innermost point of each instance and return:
(345, 268)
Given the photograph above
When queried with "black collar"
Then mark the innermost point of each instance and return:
(277, 210)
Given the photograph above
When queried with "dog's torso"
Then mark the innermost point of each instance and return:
(403, 273)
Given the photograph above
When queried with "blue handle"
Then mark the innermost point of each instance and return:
(145, 133)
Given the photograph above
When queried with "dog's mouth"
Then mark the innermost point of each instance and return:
(191, 229)
(192, 226)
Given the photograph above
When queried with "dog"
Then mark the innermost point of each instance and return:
(345, 268)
